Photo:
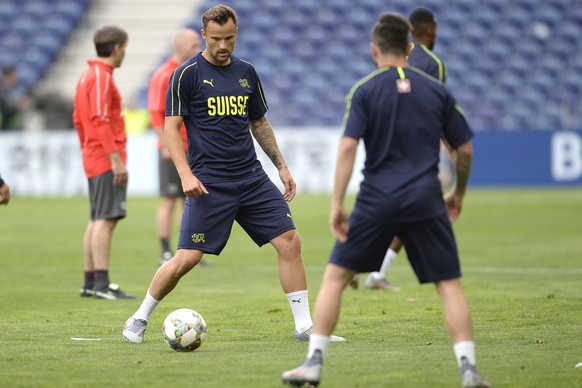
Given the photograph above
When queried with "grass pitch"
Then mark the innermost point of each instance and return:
(521, 257)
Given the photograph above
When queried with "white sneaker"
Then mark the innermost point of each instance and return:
(165, 257)
(470, 377)
(300, 337)
(375, 281)
(308, 374)
(133, 330)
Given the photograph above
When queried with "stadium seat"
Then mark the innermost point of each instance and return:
(32, 33)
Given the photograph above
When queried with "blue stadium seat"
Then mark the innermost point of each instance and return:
(502, 67)
(32, 33)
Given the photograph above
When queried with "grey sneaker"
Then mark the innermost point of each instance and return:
(375, 281)
(134, 329)
(113, 292)
(308, 374)
(470, 377)
(300, 337)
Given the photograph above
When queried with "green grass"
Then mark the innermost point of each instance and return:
(521, 254)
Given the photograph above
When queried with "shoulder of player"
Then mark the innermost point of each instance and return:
(425, 75)
(369, 80)
(191, 65)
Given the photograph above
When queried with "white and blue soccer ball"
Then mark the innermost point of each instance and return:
(184, 330)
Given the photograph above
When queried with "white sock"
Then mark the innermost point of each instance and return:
(299, 303)
(465, 349)
(388, 259)
(147, 308)
(318, 342)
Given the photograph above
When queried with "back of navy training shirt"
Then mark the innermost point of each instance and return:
(401, 114)
(424, 59)
(218, 103)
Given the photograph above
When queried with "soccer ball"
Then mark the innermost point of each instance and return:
(184, 330)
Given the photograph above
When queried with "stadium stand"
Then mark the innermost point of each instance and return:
(513, 65)
(33, 32)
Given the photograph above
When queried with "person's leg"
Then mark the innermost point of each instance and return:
(460, 327)
(164, 225)
(169, 274)
(163, 282)
(292, 278)
(457, 314)
(88, 266)
(326, 315)
(101, 237)
(377, 280)
(327, 306)
(291, 269)
(393, 251)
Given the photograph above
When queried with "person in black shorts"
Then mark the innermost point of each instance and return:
(401, 114)
(424, 34)
(220, 99)
(185, 43)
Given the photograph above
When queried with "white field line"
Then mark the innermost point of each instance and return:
(535, 271)
(484, 270)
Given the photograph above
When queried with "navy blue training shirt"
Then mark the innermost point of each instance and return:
(218, 103)
(401, 114)
(424, 59)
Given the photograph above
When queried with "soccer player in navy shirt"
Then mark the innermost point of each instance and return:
(424, 33)
(220, 99)
(401, 114)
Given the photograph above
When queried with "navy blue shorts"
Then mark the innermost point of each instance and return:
(255, 203)
(430, 246)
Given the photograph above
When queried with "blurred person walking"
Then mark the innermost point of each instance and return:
(12, 103)
(98, 119)
(185, 44)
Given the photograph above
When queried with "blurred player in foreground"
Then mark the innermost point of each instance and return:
(401, 114)
(424, 33)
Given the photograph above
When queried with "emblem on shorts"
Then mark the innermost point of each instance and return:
(198, 238)
(243, 82)
(289, 215)
(209, 82)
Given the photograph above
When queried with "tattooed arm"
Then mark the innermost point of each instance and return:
(263, 133)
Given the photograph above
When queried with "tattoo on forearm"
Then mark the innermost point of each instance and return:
(263, 133)
(463, 170)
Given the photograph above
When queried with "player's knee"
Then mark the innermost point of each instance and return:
(289, 243)
(186, 260)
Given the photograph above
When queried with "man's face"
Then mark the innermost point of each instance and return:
(431, 36)
(220, 41)
(119, 54)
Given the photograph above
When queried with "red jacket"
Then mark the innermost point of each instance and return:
(157, 97)
(98, 118)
